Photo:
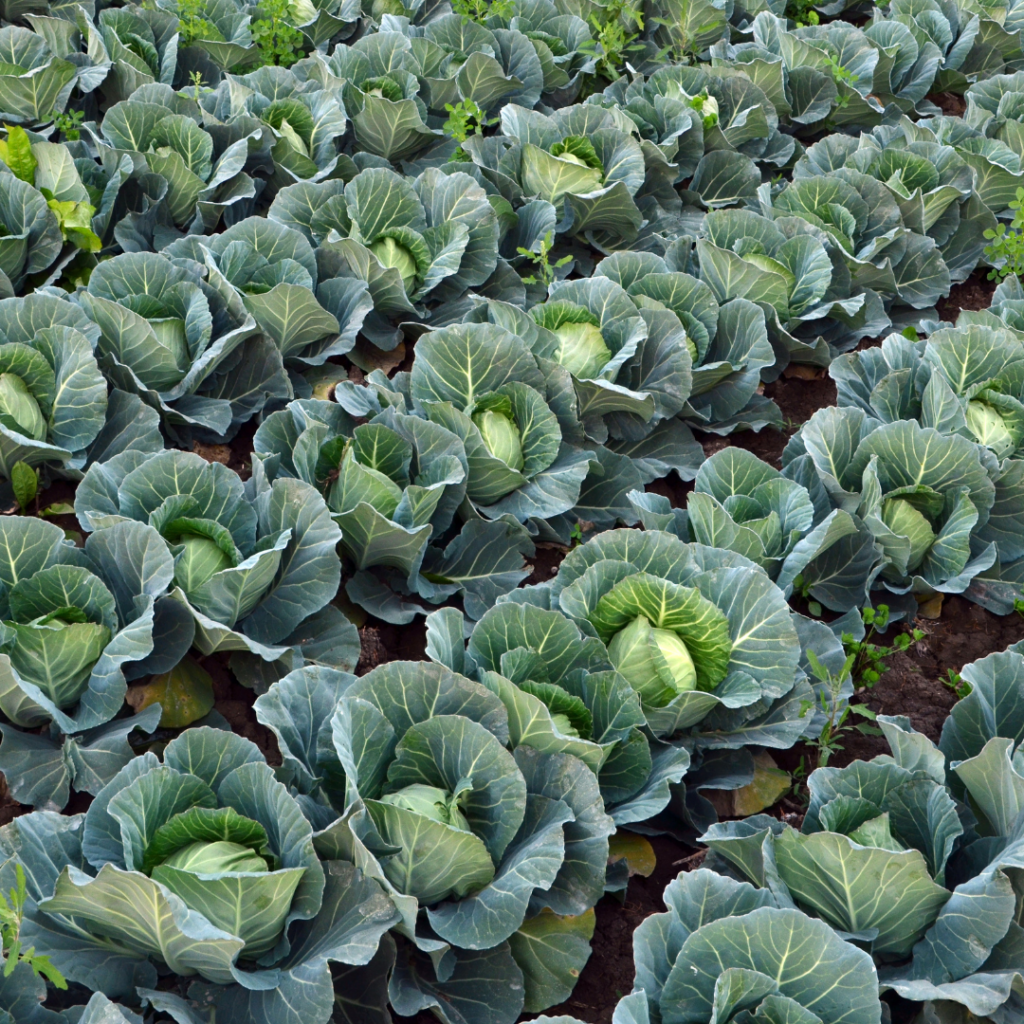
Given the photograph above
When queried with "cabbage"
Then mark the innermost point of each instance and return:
(214, 858)
(430, 801)
(582, 349)
(392, 254)
(170, 332)
(501, 436)
(655, 662)
(988, 426)
(18, 408)
(200, 559)
(58, 653)
(903, 519)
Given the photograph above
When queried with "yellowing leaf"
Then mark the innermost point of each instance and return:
(16, 152)
(185, 694)
(637, 852)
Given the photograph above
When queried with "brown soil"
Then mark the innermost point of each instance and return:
(950, 104)
(975, 293)
(799, 393)
(915, 684)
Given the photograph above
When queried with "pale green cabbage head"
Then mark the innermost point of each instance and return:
(394, 254)
(201, 559)
(18, 408)
(652, 660)
(902, 518)
(501, 436)
(430, 801)
(582, 349)
(988, 426)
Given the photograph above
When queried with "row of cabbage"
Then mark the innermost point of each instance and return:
(437, 833)
(295, 894)
(900, 879)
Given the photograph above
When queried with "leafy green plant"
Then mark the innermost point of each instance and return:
(68, 124)
(955, 682)
(480, 10)
(1007, 245)
(802, 12)
(835, 708)
(544, 272)
(614, 38)
(193, 25)
(279, 42)
(12, 913)
(465, 118)
(869, 665)
(25, 484)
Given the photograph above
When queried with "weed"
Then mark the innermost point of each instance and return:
(192, 25)
(1007, 246)
(69, 123)
(614, 37)
(480, 10)
(802, 12)
(836, 709)
(869, 657)
(465, 118)
(280, 43)
(12, 913)
(955, 682)
(544, 271)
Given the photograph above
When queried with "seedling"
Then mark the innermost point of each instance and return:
(545, 270)
(869, 657)
(835, 708)
(955, 682)
(68, 124)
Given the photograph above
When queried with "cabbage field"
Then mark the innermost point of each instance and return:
(511, 508)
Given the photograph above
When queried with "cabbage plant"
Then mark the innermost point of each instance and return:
(966, 382)
(482, 383)
(392, 484)
(140, 46)
(702, 634)
(301, 122)
(177, 343)
(578, 159)
(373, 80)
(939, 915)
(925, 496)
(411, 240)
(474, 844)
(272, 269)
(75, 623)
(742, 504)
(797, 275)
(782, 965)
(464, 60)
(727, 341)
(631, 366)
(198, 866)
(161, 131)
(254, 565)
(562, 696)
(945, 205)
